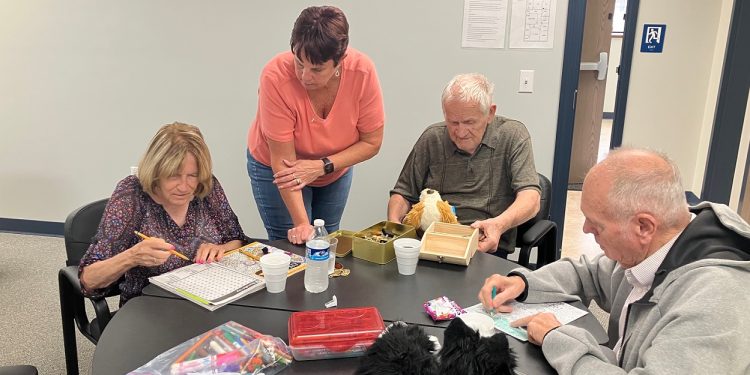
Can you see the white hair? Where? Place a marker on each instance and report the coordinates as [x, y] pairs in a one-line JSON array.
[[470, 88], [650, 183]]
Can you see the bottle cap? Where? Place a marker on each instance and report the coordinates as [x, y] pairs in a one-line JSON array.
[[319, 222]]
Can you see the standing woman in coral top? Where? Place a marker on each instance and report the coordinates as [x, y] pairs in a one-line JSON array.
[[320, 111]]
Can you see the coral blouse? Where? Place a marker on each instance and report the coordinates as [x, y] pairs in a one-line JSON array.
[[285, 113]]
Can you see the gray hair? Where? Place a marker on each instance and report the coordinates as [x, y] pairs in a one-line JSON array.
[[470, 88], [645, 181]]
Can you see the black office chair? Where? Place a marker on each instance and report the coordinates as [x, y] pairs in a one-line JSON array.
[[539, 232], [80, 228], [18, 370]]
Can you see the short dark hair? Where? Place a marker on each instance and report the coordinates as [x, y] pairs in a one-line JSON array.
[[321, 33]]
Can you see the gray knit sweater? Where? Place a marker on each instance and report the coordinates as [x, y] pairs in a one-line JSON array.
[[694, 320]]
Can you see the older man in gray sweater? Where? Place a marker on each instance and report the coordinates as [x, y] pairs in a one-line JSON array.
[[673, 278]]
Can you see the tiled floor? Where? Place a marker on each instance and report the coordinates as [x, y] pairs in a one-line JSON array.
[[576, 243]]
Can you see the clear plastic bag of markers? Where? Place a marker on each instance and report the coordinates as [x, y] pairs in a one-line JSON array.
[[230, 348]]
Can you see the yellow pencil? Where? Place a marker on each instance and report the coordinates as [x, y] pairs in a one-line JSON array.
[[174, 252]]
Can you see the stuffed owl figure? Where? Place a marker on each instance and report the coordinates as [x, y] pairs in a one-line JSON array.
[[431, 208]]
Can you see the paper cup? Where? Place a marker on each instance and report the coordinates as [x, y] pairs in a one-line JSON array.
[[332, 254], [275, 267], [407, 255]]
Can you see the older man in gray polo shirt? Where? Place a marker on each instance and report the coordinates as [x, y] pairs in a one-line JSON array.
[[482, 164]]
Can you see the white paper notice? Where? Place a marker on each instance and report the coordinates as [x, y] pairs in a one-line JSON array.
[[532, 23], [484, 23]]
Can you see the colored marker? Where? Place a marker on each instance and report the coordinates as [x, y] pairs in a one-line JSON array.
[[494, 293]]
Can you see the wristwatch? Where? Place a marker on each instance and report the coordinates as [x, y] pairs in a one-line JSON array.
[[327, 165]]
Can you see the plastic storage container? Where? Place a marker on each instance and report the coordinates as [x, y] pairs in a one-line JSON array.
[[336, 333]]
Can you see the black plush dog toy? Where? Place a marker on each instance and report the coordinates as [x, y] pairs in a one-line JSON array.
[[407, 349]]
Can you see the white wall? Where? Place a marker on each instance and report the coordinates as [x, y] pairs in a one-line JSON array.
[[672, 95], [610, 92], [85, 84]]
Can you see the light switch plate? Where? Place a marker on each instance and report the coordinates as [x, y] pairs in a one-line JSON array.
[[526, 82]]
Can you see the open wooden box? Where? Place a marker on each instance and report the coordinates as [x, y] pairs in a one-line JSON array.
[[449, 243]]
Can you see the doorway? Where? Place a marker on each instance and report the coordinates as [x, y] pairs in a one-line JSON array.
[[573, 95], [592, 81]]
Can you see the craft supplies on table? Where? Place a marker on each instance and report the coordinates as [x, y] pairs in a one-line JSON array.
[[255, 250], [228, 348]]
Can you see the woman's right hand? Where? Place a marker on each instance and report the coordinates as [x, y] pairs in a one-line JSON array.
[[300, 234], [151, 252]]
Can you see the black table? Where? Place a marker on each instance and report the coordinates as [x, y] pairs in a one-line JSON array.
[[148, 326], [396, 296]]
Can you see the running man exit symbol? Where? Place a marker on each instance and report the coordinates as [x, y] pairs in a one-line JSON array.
[[653, 38]]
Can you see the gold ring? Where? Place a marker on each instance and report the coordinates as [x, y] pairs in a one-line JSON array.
[[299, 182]]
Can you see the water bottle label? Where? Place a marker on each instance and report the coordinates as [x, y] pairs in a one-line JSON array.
[[318, 254]]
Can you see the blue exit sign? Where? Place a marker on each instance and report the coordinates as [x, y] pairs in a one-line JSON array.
[[653, 38]]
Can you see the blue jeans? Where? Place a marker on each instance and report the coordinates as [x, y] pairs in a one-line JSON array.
[[326, 202]]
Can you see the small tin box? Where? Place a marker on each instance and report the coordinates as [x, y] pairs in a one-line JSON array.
[[333, 333], [449, 243], [375, 244], [344, 246]]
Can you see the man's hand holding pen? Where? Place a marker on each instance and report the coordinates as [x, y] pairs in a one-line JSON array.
[[498, 290]]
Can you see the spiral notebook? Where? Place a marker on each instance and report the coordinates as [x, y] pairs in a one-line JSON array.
[[212, 285]]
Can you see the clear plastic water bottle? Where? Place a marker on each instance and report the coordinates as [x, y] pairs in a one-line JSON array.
[[316, 258]]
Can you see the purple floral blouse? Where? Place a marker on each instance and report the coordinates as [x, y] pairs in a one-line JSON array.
[[130, 209]]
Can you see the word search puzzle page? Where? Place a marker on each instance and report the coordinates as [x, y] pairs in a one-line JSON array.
[[564, 313], [210, 281]]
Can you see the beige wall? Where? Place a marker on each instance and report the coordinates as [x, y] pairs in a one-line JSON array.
[[86, 83], [672, 94]]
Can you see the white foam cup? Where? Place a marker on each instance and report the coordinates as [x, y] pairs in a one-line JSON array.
[[407, 255], [275, 267]]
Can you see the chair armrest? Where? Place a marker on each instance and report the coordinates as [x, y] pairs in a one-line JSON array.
[[537, 231], [70, 273], [101, 308]]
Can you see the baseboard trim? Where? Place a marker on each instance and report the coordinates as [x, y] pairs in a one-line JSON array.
[[48, 228], [608, 115]]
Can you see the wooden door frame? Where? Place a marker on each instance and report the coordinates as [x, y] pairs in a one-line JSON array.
[[568, 95]]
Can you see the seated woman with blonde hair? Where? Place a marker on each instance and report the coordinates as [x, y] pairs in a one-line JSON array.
[[174, 200]]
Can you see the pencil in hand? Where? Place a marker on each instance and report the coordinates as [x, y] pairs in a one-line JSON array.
[[174, 252]]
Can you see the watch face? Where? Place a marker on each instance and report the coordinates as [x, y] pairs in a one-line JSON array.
[[327, 166]]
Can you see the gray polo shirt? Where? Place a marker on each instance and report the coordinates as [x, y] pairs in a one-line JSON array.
[[481, 185]]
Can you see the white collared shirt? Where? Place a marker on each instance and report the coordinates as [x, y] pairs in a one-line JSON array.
[[641, 276]]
